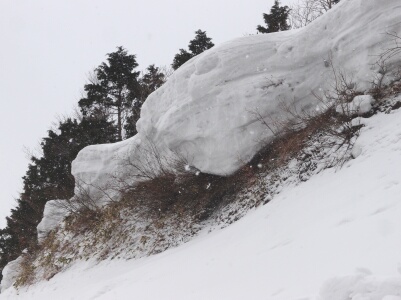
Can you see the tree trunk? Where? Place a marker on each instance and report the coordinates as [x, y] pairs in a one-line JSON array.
[[119, 115], [119, 123]]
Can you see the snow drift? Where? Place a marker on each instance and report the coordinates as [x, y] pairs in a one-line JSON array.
[[205, 111]]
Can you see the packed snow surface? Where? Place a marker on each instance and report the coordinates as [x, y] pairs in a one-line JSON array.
[[209, 109], [334, 237]]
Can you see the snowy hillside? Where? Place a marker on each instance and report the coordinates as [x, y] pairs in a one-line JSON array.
[[300, 228], [334, 237], [206, 110]]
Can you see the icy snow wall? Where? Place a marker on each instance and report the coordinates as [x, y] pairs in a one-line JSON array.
[[10, 273], [206, 110], [54, 213]]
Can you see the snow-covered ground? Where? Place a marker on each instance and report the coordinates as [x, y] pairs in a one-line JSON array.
[[335, 237]]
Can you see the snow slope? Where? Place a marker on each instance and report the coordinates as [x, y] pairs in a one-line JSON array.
[[334, 237], [206, 110]]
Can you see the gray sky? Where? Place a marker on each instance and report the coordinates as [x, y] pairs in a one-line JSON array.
[[48, 47]]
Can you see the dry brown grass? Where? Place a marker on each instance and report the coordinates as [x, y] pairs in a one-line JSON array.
[[185, 195], [27, 271]]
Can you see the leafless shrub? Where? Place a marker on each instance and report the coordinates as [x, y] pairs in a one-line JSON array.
[[86, 206], [382, 85], [343, 88], [82, 201], [393, 50], [167, 71], [293, 128], [293, 134], [378, 81], [306, 11], [150, 162], [327, 4]]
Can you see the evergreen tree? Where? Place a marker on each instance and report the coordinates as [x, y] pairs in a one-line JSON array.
[[199, 44], [49, 177], [181, 58], [113, 89], [277, 20], [327, 4], [8, 248], [150, 81]]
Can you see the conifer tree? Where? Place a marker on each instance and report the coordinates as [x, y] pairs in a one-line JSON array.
[[277, 20], [113, 89], [151, 80], [199, 44], [49, 177], [181, 58]]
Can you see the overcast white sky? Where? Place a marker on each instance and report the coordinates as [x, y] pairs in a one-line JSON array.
[[48, 47]]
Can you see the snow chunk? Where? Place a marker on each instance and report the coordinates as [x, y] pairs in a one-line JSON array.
[[53, 215], [356, 150], [10, 273], [361, 287], [358, 106], [207, 109]]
